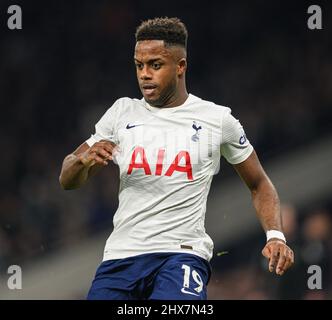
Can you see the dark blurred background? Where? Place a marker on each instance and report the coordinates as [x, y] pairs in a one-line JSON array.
[[73, 59]]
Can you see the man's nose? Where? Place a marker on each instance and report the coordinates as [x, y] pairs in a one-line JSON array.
[[145, 73]]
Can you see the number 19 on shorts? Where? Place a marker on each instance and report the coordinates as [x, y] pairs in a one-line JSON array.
[[186, 280]]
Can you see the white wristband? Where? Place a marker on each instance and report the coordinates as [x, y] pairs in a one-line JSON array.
[[275, 234]]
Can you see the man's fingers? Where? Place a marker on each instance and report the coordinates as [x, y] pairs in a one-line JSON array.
[[292, 256], [107, 145], [101, 152], [266, 252], [287, 264], [289, 260], [104, 154], [280, 256], [283, 256], [274, 258], [99, 160]]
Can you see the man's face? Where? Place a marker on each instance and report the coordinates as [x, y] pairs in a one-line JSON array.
[[158, 70]]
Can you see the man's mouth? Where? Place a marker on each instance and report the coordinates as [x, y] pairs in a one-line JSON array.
[[148, 89]]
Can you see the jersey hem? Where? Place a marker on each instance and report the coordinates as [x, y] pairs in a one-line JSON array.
[[113, 256]]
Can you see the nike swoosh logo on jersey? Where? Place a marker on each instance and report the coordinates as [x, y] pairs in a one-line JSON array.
[[183, 290], [133, 125]]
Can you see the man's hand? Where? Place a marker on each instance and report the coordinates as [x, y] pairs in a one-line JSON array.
[[100, 153], [280, 256]]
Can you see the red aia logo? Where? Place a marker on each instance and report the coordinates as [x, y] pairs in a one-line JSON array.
[[144, 164]]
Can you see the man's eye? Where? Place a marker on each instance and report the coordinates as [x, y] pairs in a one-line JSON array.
[[156, 66], [139, 65]]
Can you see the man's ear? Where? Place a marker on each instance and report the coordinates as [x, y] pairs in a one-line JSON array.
[[182, 66]]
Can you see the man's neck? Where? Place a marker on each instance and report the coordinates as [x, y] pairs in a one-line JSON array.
[[177, 100]]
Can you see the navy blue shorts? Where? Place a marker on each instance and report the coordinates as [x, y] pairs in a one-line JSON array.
[[153, 276]]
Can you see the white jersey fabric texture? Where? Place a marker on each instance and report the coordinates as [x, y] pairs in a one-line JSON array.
[[167, 160]]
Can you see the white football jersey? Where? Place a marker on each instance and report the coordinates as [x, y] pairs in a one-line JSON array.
[[167, 160]]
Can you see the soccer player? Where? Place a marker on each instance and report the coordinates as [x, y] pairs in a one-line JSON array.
[[167, 146]]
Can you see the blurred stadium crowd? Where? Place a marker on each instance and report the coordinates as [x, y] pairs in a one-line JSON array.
[[242, 273], [72, 60]]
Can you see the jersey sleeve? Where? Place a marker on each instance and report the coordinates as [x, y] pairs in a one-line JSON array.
[[235, 147], [105, 127]]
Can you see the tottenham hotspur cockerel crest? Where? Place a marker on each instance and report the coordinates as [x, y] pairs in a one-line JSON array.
[[196, 127]]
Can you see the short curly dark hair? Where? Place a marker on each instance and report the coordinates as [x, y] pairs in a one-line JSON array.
[[171, 30]]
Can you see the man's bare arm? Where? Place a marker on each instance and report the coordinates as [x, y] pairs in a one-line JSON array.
[[267, 205], [264, 195], [80, 165]]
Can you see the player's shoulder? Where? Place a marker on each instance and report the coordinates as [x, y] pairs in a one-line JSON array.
[[125, 102], [124, 105], [209, 106]]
